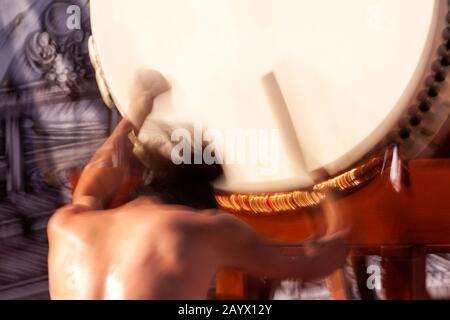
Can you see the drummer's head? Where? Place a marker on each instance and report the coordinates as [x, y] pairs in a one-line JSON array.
[[180, 184]]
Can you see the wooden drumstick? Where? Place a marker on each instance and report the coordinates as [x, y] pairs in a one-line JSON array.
[[284, 119]]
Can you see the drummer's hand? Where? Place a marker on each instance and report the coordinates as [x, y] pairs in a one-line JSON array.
[[244, 249], [146, 86]]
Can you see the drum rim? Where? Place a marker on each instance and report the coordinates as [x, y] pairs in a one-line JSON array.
[[275, 203]]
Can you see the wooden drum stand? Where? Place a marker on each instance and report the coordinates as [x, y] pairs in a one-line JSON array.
[[402, 227]]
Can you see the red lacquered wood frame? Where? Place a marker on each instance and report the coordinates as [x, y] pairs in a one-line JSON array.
[[401, 227]]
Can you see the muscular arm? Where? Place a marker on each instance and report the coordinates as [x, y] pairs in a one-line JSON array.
[[111, 166], [114, 163], [157, 251]]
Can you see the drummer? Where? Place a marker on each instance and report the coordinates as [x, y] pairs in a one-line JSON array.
[[168, 240]]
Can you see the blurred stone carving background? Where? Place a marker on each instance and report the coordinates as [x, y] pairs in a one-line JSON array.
[[51, 121]]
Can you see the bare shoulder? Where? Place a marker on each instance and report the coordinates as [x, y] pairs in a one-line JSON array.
[[178, 222], [64, 217]]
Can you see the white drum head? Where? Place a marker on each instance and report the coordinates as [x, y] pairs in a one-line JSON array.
[[342, 71]]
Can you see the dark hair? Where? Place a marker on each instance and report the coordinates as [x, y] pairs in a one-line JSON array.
[[186, 184]]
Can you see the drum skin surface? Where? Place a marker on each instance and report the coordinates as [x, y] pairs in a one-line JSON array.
[[346, 72]]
